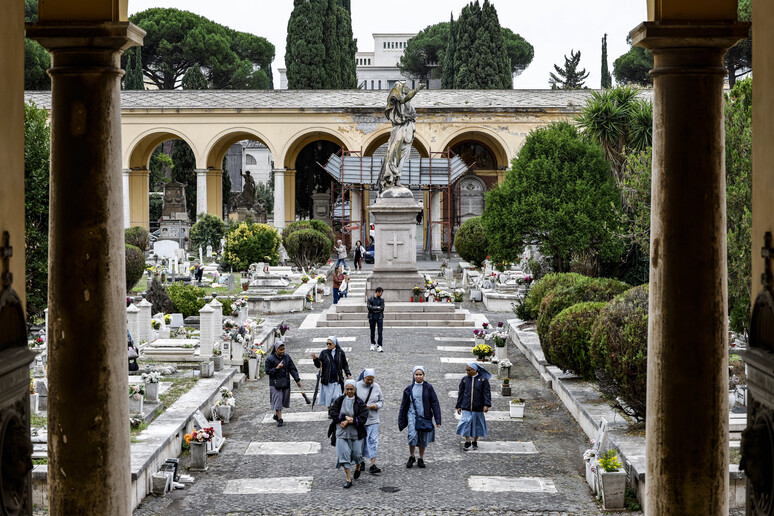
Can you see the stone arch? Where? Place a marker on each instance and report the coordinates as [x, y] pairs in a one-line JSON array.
[[140, 149], [218, 146], [380, 138], [303, 138], [488, 138]]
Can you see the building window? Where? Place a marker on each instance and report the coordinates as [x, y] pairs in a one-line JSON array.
[[250, 160], [369, 62], [372, 84], [385, 44], [380, 85], [413, 84]]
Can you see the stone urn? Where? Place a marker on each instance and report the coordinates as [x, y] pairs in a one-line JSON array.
[[218, 360], [135, 405], [198, 456], [224, 411], [152, 391]]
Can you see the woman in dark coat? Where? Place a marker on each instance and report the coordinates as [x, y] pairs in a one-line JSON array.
[[279, 368], [418, 408], [349, 413], [333, 365], [474, 397]]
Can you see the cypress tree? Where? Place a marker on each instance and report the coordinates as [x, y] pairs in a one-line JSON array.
[[348, 48], [447, 79], [134, 78], [464, 59], [607, 80], [332, 45], [194, 79], [305, 51], [493, 70]]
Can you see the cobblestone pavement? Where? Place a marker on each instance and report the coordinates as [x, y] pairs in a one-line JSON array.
[[441, 488]]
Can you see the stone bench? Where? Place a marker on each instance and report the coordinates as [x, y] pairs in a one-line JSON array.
[[499, 302]]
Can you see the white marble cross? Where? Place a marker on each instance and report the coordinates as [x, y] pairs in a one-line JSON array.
[[395, 245]]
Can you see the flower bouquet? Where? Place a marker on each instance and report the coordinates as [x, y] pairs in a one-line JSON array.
[[136, 392], [167, 319], [238, 304], [283, 328], [156, 325], [482, 351], [500, 338], [152, 377], [321, 279], [458, 295], [200, 436], [304, 278]]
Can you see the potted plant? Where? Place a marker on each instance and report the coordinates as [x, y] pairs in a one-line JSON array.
[[416, 290], [152, 385], [482, 352], [217, 358], [304, 278], [612, 481], [252, 364], [505, 368], [500, 338], [34, 398], [505, 390], [224, 406], [283, 328], [458, 296], [156, 325], [136, 393], [517, 407], [198, 440], [480, 336]]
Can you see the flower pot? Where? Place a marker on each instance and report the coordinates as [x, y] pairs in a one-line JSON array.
[[458, 305], [152, 391], [501, 352], [224, 411], [245, 286], [252, 368], [198, 456], [517, 410], [135, 406], [613, 486], [34, 403], [505, 390], [218, 359]]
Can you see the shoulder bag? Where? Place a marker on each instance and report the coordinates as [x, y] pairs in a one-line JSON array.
[[422, 423]]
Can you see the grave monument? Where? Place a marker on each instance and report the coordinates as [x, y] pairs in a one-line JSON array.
[[394, 214], [244, 204], [174, 223]]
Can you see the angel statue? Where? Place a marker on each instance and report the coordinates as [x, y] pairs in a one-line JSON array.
[[402, 114]]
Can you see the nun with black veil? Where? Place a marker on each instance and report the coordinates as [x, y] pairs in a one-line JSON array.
[[349, 413], [474, 398], [279, 369], [417, 410]]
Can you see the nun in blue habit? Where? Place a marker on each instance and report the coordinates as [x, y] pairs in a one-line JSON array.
[[474, 398], [333, 367], [349, 413], [417, 410]]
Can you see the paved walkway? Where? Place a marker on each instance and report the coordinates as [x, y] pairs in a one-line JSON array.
[[532, 466]]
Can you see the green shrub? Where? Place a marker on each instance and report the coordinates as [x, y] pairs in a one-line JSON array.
[[135, 266], [308, 247], [585, 289], [530, 307], [227, 308], [208, 230], [317, 225], [137, 236], [569, 336], [158, 297], [248, 243], [619, 348], [186, 299], [470, 241]]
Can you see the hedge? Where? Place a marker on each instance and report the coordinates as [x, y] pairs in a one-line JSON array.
[[569, 337], [137, 236], [248, 243], [529, 308], [470, 241], [308, 247], [135, 266], [317, 225], [186, 299], [619, 348]]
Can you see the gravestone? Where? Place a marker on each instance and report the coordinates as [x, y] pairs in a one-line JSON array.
[[471, 197], [165, 248], [133, 321], [209, 330], [177, 321], [209, 251], [144, 328], [230, 282]]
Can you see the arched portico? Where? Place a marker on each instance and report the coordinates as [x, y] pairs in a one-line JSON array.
[[381, 137], [492, 141]]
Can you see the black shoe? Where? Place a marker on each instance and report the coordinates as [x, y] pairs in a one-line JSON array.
[[280, 422], [420, 463], [466, 446], [374, 469], [357, 472], [411, 461], [475, 445], [274, 417], [347, 484]]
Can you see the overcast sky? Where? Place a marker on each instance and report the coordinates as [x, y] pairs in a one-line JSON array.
[[553, 27]]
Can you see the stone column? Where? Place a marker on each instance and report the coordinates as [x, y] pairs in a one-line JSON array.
[[215, 192], [279, 198], [127, 203], [434, 217], [88, 442], [139, 204], [133, 322], [207, 331], [201, 191], [687, 397], [355, 205], [290, 195], [144, 321]]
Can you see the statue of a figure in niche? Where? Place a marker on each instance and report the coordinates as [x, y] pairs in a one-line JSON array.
[[246, 198], [402, 114]]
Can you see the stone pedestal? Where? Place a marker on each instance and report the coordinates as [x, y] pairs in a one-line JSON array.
[[394, 216]]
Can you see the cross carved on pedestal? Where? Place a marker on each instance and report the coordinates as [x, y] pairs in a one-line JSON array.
[[395, 245]]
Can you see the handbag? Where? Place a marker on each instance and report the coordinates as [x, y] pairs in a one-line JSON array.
[[422, 423], [133, 353]]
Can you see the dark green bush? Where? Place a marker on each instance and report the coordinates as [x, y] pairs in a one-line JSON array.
[[569, 336], [470, 241], [135, 266], [157, 296], [137, 236], [248, 243], [186, 299], [308, 247], [317, 225], [530, 307], [227, 308], [584, 290], [619, 348], [208, 230]]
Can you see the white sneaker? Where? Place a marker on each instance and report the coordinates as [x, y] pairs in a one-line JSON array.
[[379, 349], [373, 347]]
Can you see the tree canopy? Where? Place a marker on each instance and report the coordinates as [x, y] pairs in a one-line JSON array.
[[560, 195], [177, 40], [634, 67], [320, 50], [568, 77], [36, 58], [424, 54], [738, 59]]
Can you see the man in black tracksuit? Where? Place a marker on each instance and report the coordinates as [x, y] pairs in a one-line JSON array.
[[376, 317]]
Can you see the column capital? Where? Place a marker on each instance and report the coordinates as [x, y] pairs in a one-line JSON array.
[[656, 36], [109, 36]]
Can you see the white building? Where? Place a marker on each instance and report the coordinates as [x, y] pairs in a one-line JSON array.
[[256, 159], [378, 70]]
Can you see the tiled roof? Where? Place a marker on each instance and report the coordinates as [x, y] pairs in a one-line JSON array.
[[341, 100]]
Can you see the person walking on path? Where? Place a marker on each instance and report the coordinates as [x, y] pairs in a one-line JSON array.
[[359, 254], [474, 398], [341, 251], [279, 368], [376, 317], [333, 365], [338, 278], [371, 394], [417, 410], [350, 414]]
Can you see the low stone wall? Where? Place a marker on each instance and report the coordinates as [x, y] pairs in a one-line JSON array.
[[588, 407], [282, 304], [498, 301]]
